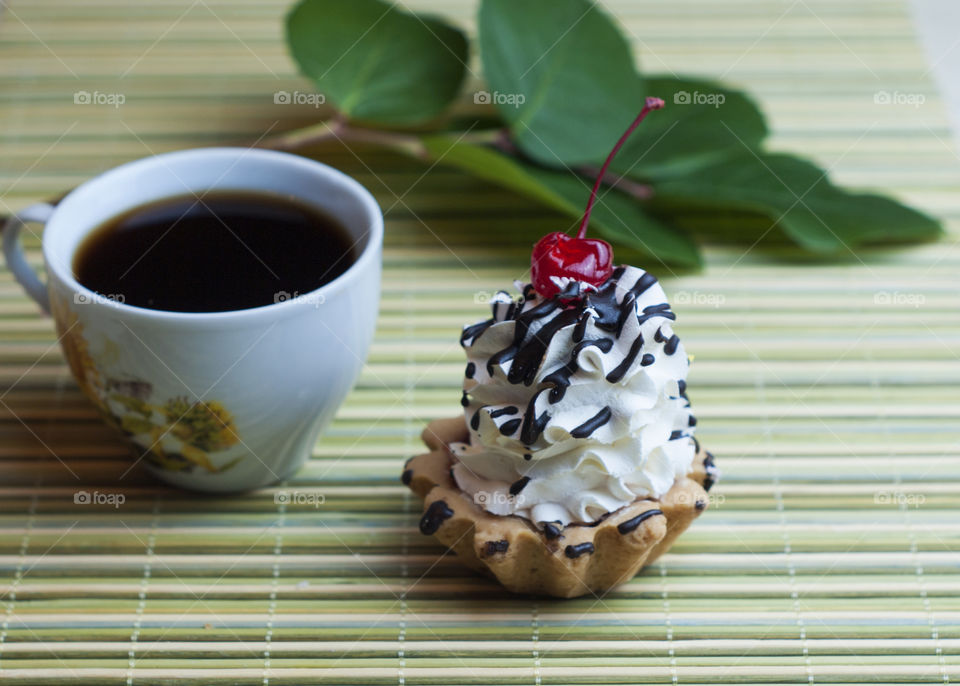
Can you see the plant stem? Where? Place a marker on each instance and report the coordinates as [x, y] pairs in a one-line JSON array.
[[640, 191], [650, 105], [635, 189], [339, 129]]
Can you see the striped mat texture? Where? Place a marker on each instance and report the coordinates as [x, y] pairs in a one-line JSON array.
[[828, 392]]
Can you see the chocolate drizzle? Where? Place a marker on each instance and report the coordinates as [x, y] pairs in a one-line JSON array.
[[521, 328], [560, 378], [617, 314], [519, 485], [631, 524], [510, 428], [494, 547], [610, 314], [592, 424], [471, 333], [621, 369], [526, 351], [533, 425], [581, 328], [509, 409], [628, 306], [575, 551], [671, 347], [661, 310], [710, 467], [551, 530], [529, 355]]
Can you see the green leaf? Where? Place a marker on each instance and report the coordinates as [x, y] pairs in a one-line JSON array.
[[572, 68], [616, 215], [702, 122], [799, 198], [375, 62]]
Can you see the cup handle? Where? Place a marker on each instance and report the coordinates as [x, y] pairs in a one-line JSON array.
[[17, 261]]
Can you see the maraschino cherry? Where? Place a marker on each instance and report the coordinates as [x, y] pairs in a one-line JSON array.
[[580, 258]]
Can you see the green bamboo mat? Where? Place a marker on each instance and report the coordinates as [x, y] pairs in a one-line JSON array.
[[828, 393]]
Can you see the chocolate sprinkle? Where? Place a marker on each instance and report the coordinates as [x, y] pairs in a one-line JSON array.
[[631, 524], [464, 400], [700, 504], [406, 477], [436, 514], [518, 485], [575, 551], [647, 360], [471, 370]]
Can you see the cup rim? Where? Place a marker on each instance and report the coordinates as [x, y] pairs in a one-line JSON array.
[[370, 252]]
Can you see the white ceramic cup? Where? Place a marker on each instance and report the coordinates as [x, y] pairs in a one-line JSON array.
[[222, 401]]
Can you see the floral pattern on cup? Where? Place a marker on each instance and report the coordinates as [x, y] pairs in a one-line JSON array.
[[177, 434]]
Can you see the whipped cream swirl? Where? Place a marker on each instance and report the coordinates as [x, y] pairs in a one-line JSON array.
[[577, 403]]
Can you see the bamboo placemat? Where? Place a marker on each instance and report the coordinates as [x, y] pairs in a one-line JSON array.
[[828, 393]]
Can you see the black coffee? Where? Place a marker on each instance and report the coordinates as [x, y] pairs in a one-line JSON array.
[[231, 251]]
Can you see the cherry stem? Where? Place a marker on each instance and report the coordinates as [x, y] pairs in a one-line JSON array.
[[650, 105]]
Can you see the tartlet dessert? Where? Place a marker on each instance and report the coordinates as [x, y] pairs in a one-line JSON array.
[[574, 463]]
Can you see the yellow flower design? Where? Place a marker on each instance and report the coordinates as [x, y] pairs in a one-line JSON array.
[[196, 428]]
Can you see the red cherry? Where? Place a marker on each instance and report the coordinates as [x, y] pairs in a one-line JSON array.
[[557, 254], [580, 258]]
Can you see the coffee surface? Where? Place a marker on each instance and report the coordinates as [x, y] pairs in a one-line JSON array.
[[231, 250]]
